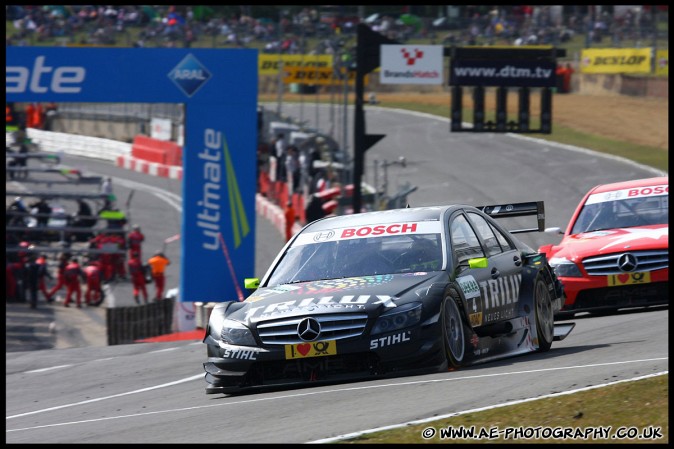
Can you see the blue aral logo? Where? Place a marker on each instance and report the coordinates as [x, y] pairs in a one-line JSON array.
[[189, 75]]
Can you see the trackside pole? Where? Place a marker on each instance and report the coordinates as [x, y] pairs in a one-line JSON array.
[[231, 267]]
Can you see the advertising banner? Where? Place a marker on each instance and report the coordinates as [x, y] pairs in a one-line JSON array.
[[615, 60], [506, 73], [270, 63], [219, 90], [662, 63], [411, 64]]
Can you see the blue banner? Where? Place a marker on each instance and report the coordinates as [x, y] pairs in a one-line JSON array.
[[219, 90]]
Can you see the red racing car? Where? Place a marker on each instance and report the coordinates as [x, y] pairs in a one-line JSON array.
[[615, 251]]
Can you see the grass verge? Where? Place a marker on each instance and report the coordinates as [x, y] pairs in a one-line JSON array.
[[637, 409]]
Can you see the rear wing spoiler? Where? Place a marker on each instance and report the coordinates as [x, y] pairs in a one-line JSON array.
[[518, 210]]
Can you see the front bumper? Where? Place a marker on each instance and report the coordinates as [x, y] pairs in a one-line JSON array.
[[234, 368]]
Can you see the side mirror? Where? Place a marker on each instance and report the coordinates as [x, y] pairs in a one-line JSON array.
[[553, 230], [478, 262], [251, 283]]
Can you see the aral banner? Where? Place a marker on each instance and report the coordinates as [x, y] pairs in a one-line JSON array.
[[615, 60]]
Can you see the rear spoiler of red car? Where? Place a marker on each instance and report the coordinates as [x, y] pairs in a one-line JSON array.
[[518, 210]]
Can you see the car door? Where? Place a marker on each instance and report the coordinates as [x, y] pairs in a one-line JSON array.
[[491, 293], [501, 288]]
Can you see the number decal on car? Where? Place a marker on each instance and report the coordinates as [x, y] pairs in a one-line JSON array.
[[616, 280], [315, 349]]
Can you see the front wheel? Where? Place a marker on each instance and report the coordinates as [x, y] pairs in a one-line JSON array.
[[452, 331], [545, 320]]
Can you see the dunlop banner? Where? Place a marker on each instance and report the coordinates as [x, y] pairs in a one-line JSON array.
[[662, 63], [615, 60], [318, 76], [268, 64]]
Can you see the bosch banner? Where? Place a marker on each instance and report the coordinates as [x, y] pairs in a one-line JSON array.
[[219, 90], [512, 73]]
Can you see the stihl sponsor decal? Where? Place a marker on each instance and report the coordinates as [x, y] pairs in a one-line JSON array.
[[372, 230], [638, 192], [390, 340], [240, 354], [345, 302]]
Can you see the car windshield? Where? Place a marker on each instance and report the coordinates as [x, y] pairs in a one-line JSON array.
[[359, 257], [602, 214]]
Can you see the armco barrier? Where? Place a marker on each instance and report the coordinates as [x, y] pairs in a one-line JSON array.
[[128, 324], [94, 147]]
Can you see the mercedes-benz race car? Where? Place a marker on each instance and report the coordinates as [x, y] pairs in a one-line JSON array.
[[384, 293], [615, 250]]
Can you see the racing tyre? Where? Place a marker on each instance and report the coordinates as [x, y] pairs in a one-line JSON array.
[[452, 331], [545, 321]]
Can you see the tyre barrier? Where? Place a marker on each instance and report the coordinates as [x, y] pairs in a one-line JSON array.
[[129, 324]]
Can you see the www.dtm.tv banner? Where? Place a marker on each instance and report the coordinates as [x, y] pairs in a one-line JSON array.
[[219, 90]]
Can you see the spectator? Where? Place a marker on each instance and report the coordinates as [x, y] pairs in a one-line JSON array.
[[135, 241], [34, 273], [94, 276], [10, 280], [118, 245], [137, 274], [84, 218], [43, 273], [72, 275], [60, 276], [43, 212], [290, 219], [158, 264], [292, 169], [16, 212], [107, 189]]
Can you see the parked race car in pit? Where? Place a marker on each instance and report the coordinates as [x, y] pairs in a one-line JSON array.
[[615, 250], [385, 293]]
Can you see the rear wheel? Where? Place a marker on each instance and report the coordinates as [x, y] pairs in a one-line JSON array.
[[545, 321], [452, 331]]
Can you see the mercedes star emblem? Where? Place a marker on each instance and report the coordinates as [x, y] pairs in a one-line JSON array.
[[308, 329], [627, 262]]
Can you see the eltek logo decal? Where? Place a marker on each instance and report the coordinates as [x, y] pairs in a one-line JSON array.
[[60, 80], [189, 75], [411, 59]]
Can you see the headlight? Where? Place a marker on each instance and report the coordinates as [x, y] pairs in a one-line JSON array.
[[565, 268], [400, 318], [235, 333]]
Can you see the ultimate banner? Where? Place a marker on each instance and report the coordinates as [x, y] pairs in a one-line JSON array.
[[219, 90]]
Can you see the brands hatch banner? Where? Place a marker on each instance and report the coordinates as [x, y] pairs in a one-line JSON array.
[[615, 60], [219, 90], [411, 64]]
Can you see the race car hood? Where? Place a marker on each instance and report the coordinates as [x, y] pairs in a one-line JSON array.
[[372, 294], [610, 241]]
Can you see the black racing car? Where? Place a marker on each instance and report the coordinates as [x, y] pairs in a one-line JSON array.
[[389, 292]]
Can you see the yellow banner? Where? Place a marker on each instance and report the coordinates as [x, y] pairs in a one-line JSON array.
[[269, 63], [662, 63], [314, 75], [615, 60]]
